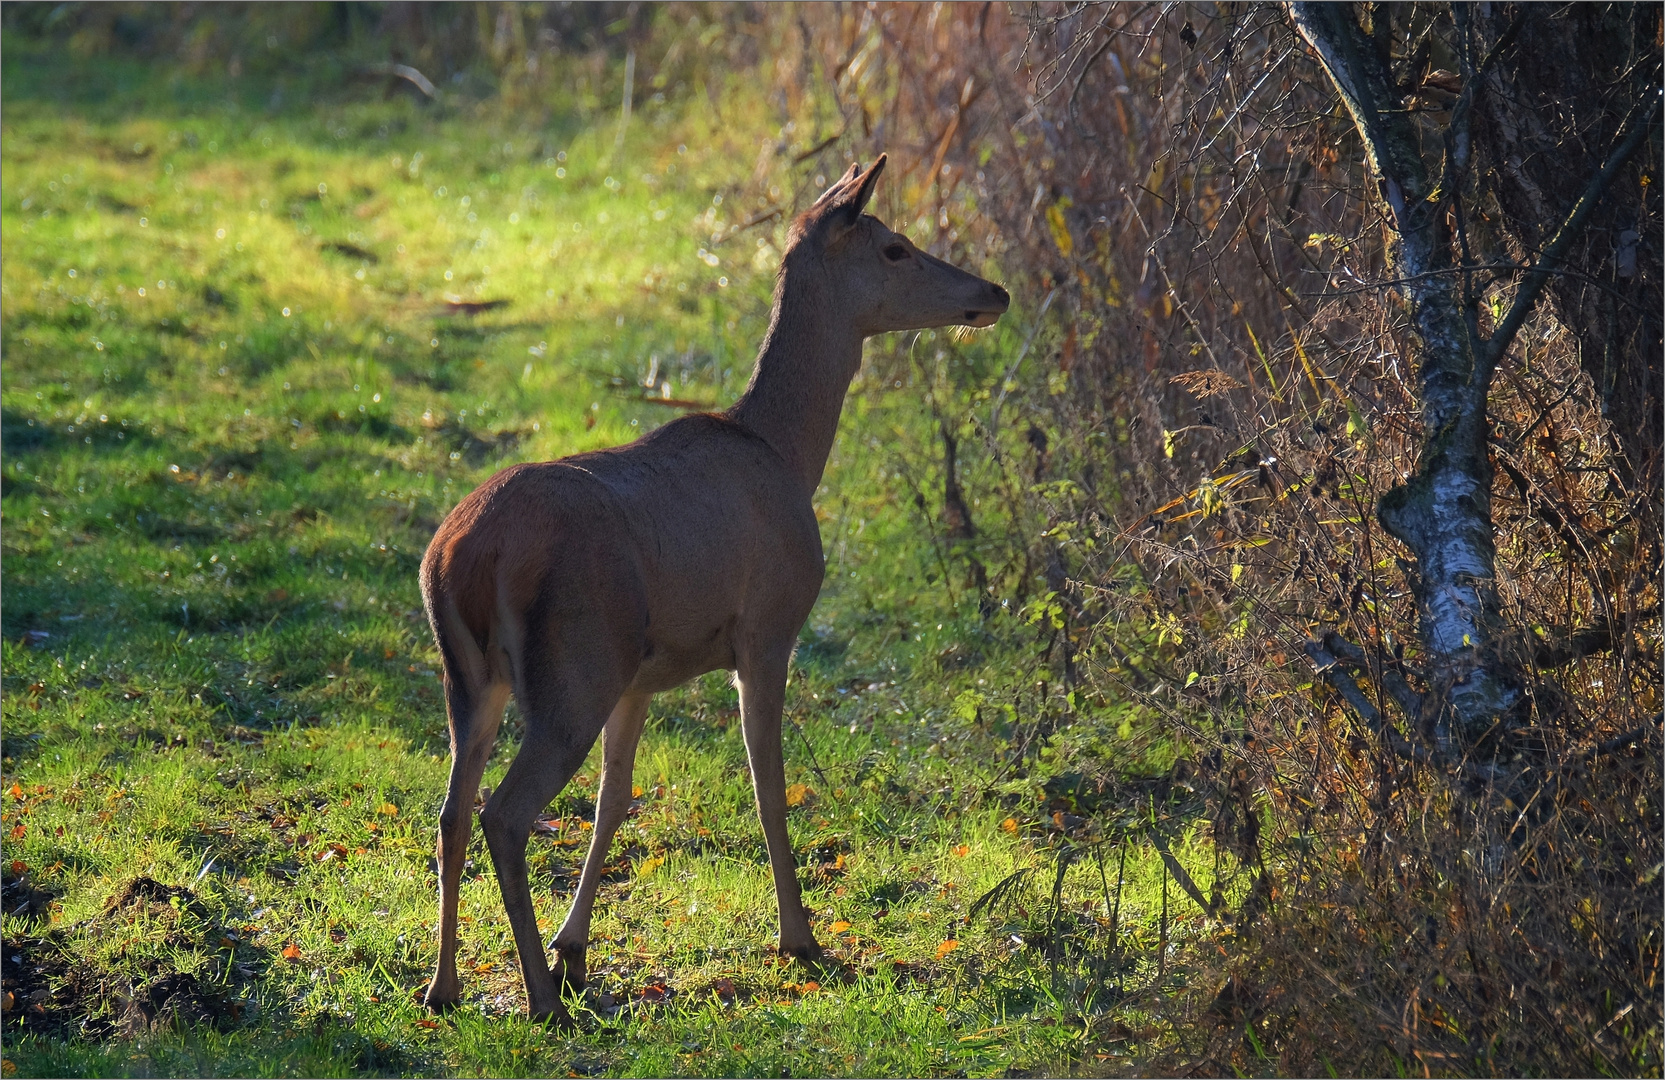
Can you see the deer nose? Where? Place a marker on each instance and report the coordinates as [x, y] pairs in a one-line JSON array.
[[1001, 295]]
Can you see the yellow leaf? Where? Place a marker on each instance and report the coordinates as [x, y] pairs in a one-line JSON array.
[[636, 791], [480, 969], [291, 951], [947, 947], [962, 851], [648, 866], [1009, 825], [839, 927], [797, 794], [1060, 228], [388, 809]]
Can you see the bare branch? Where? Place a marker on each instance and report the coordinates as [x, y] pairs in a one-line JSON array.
[[1333, 672], [1556, 250], [1408, 700], [1586, 641]]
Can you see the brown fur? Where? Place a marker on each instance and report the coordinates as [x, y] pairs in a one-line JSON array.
[[584, 586]]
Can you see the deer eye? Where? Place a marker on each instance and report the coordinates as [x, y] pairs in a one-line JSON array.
[[896, 252]]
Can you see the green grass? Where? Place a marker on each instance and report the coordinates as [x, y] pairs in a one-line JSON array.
[[236, 407]]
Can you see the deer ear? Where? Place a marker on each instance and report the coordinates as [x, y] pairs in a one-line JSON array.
[[864, 189], [831, 195], [845, 202], [840, 206]]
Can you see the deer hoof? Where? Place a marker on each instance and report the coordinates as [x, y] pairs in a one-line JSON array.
[[437, 1002], [809, 955], [555, 1019], [568, 969]]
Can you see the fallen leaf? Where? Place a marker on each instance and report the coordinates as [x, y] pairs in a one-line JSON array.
[[15, 792], [430, 1024], [810, 987], [797, 794], [292, 952], [387, 809], [17, 832], [947, 947], [840, 926], [635, 791], [19, 868], [481, 969], [647, 866], [1010, 825], [962, 851]]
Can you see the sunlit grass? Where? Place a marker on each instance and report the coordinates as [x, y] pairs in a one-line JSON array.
[[237, 400]]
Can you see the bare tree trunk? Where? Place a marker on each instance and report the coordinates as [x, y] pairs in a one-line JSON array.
[[1443, 512]]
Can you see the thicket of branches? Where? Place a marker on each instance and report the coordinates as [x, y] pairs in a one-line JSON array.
[[1230, 380]]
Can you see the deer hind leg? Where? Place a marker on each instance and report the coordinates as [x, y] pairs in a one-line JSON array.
[[762, 699], [474, 718], [623, 732], [564, 714]]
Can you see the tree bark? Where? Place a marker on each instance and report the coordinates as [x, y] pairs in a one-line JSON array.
[[1443, 513]]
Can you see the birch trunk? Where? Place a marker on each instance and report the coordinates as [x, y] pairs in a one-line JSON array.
[[1443, 512]]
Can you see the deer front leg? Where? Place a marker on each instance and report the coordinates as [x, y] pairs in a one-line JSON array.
[[619, 740], [762, 698]]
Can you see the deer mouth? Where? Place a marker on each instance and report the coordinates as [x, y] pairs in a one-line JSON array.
[[981, 318]]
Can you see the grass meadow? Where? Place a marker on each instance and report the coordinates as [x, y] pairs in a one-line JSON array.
[[256, 345]]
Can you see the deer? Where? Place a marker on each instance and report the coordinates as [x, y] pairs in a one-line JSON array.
[[584, 586]]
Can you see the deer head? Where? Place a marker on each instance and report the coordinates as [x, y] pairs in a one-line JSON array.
[[876, 277]]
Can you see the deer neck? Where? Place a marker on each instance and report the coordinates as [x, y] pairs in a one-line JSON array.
[[802, 373]]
